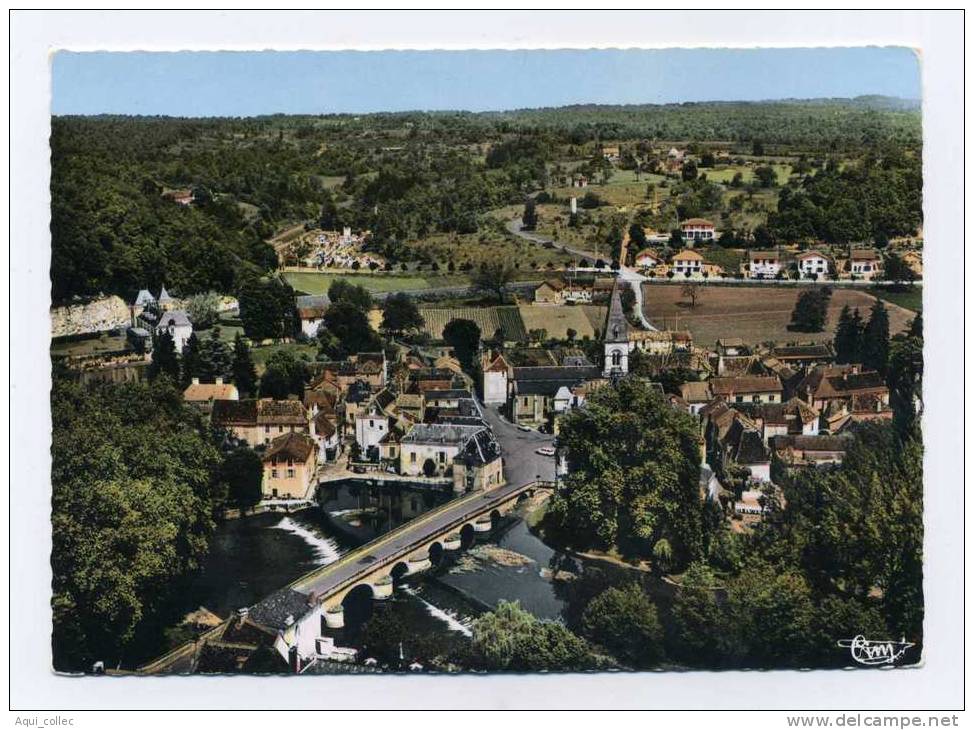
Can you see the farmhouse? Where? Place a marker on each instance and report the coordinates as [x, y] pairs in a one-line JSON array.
[[549, 292], [647, 259], [865, 263], [256, 422], [812, 265], [697, 230], [688, 264], [202, 395], [311, 311], [289, 466], [748, 388], [762, 265]]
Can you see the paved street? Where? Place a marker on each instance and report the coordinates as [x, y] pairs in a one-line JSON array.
[[521, 463]]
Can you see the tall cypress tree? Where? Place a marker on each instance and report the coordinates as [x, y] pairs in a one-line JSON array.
[[847, 337], [191, 359], [244, 373], [165, 361], [875, 338]]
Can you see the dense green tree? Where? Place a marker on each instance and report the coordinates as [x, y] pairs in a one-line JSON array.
[[341, 290], [848, 336], [214, 359], [766, 176], [509, 638], [624, 621], [897, 270], [637, 238], [689, 170], [190, 359], [203, 310], [463, 335], [904, 376], [267, 309], [165, 361], [244, 372], [633, 475], [400, 314], [493, 278], [529, 218], [345, 330], [284, 375], [242, 471], [875, 338], [134, 486], [811, 309], [698, 623]]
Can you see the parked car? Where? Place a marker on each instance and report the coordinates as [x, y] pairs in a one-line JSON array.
[[545, 451], [523, 428]]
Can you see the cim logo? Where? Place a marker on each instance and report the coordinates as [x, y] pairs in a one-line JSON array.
[[875, 653]]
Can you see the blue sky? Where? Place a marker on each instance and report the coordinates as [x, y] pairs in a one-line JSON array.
[[315, 82]]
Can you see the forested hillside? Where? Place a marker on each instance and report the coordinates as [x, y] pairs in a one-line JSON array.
[[116, 229]]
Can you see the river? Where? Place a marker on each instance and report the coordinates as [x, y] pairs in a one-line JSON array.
[[253, 556]]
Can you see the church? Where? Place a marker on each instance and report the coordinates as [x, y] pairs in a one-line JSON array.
[[616, 338]]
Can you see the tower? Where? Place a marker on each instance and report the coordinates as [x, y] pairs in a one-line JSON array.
[[615, 342]]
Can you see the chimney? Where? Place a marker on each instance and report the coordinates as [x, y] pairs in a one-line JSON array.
[[293, 660], [219, 380], [196, 381]]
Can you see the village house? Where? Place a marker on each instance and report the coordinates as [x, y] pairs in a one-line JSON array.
[[845, 394], [311, 312], [696, 394], [494, 378], [793, 417], [647, 259], [687, 264], [804, 451], [430, 379], [202, 395], [258, 422], [697, 230], [802, 356], [734, 357], [733, 439], [660, 342], [550, 292], [367, 367], [290, 466], [183, 196], [324, 430], [865, 263], [371, 426], [445, 450], [762, 265], [748, 388], [812, 265]]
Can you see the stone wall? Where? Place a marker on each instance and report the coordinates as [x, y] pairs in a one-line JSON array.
[[99, 315]]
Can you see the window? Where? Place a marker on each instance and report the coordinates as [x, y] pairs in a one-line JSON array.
[[771, 398], [441, 456], [740, 399], [755, 399], [273, 473], [616, 358], [412, 457], [280, 429], [267, 429], [290, 473]]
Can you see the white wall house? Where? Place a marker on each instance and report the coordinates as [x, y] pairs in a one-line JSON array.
[[687, 265], [370, 428], [866, 265], [647, 259], [763, 264], [495, 381], [176, 323], [697, 230], [812, 265]]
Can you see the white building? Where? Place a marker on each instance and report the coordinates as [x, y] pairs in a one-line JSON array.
[[763, 264], [616, 341], [176, 323], [647, 259], [865, 264], [495, 380], [370, 428], [812, 265], [687, 264], [311, 312], [697, 230]]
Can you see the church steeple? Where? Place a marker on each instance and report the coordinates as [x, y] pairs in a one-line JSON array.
[[616, 337]]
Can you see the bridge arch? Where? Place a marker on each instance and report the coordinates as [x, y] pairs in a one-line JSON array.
[[436, 553], [357, 603], [399, 571], [467, 536]]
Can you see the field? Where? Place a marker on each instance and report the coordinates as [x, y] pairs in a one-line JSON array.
[[488, 319], [556, 321], [487, 246], [910, 298], [755, 314], [313, 282], [725, 173]]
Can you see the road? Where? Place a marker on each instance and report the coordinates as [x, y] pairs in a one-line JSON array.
[[625, 273], [522, 463]]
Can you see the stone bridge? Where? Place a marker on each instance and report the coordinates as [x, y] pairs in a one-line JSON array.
[[303, 610]]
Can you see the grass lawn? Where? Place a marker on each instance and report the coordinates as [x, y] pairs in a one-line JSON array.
[[725, 173], [483, 247], [311, 282], [261, 354], [911, 298]]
